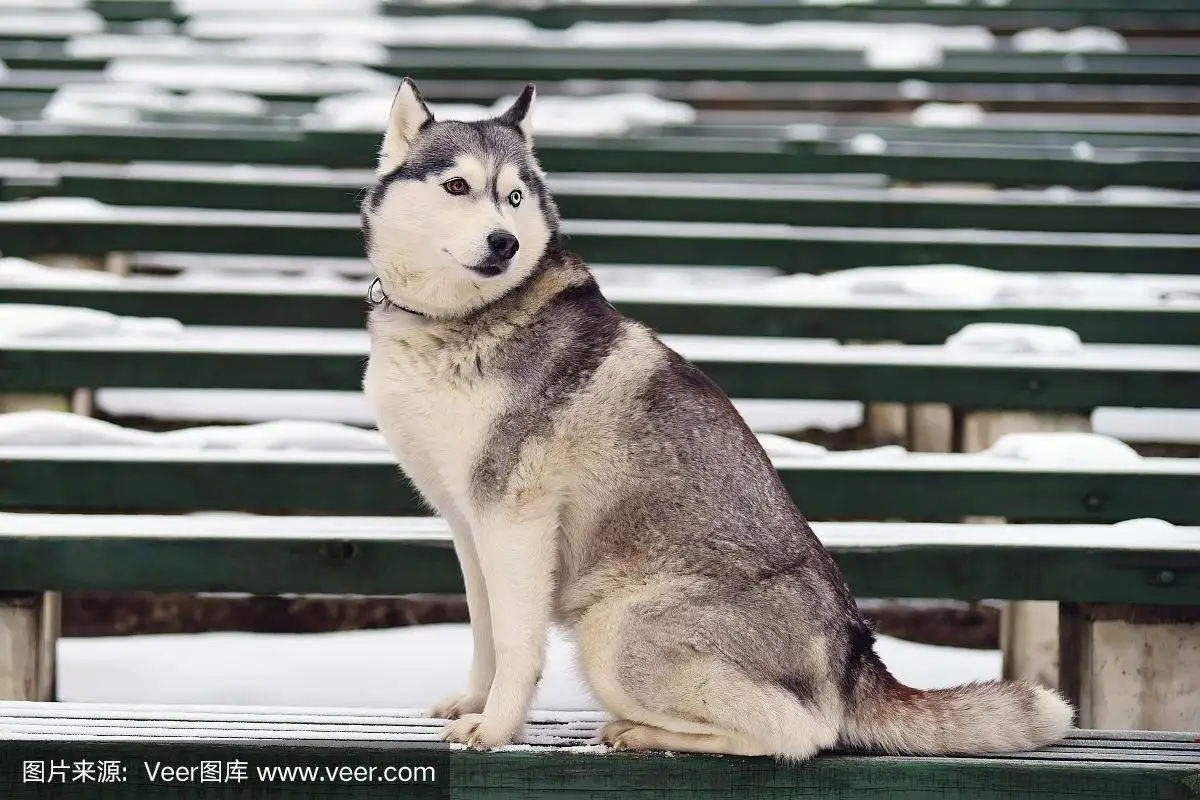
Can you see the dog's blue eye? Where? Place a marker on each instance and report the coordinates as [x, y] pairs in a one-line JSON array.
[[514, 197], [456, 186]]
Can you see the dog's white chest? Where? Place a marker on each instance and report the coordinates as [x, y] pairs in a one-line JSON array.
[[436, 426]]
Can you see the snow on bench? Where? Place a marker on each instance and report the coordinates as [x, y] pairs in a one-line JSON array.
[[1131, 535], [561, 749]]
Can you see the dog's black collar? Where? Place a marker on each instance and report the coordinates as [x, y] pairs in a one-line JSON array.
[[376, 288]]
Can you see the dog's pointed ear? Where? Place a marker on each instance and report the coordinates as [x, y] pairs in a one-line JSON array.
[[408, 115], [520, 114]]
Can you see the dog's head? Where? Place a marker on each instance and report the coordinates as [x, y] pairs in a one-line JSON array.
[[459, 213]]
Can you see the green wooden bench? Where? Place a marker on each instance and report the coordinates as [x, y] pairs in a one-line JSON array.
[[29, 229], [562, 63], [1087, 567], [282, 303], [298, 359], [1006, 165], [836, 485], [643, 197], [398, 753], [1131, 18]]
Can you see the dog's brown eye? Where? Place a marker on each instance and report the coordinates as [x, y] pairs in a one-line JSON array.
[[456, 186]]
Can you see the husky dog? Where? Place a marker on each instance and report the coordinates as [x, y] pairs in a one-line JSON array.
[[594, 478]]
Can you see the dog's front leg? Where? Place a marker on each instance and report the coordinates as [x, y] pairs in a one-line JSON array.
[[483, 655], [517, 557]]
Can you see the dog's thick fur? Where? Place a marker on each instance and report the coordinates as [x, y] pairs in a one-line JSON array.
[[593, 477]]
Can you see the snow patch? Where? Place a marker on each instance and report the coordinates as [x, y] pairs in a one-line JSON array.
[[776, 445], [278, 435], [31, 321], [120, 45], [1078, 40], [562, 116], [1003, 337], [20, 272], [248, 76], [867, 144], [1084, 151], [26, 22], [409, 667], [449, 31], [957, 282], [913, 89], [948, 115], [58, 429], [1065, 449]]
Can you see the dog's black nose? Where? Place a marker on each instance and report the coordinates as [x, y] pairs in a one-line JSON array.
[[503, 244]]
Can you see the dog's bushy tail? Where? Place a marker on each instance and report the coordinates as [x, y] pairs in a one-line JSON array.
[[885, 716]]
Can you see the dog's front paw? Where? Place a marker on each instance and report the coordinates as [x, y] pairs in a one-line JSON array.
[[455, 705], [478, 731]]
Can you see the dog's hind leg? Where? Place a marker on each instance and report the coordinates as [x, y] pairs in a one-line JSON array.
[[672, 699]]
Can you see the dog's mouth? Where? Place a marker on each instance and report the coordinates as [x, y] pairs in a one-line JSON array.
[[489, 267]]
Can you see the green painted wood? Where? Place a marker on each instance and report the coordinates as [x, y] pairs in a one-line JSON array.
[[792, 248], [367, 486], [1165, 16], [1056, 384], [669, 64], [546, 64], [554, 775], [913, 324], [641, 197], [1002, 166], [352, 565]]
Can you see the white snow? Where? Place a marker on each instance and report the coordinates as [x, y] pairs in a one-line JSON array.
[[30, 321], [914, 89], [1140, 534], [948, 115], [867, 144], [1065, 448], [776, 445], [462, 31], [55, 429], [963, 284], [247, 76], [52, 22], [554, 115], [57, 209], [1078, 40], [998, 337], [409, 668], [221, 101], [59, 429], [21, 272], [114, 45], [902, 45]]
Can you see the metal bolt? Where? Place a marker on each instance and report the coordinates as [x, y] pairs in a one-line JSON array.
[[1033, 384], [1093, 502], [1166, 576]]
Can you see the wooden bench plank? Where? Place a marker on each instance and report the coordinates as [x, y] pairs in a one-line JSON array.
[[397, 556], [677, 311], [299, 359], [838, 485], [635, 197], [557, 764], [1007, 166], [34, 227]]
